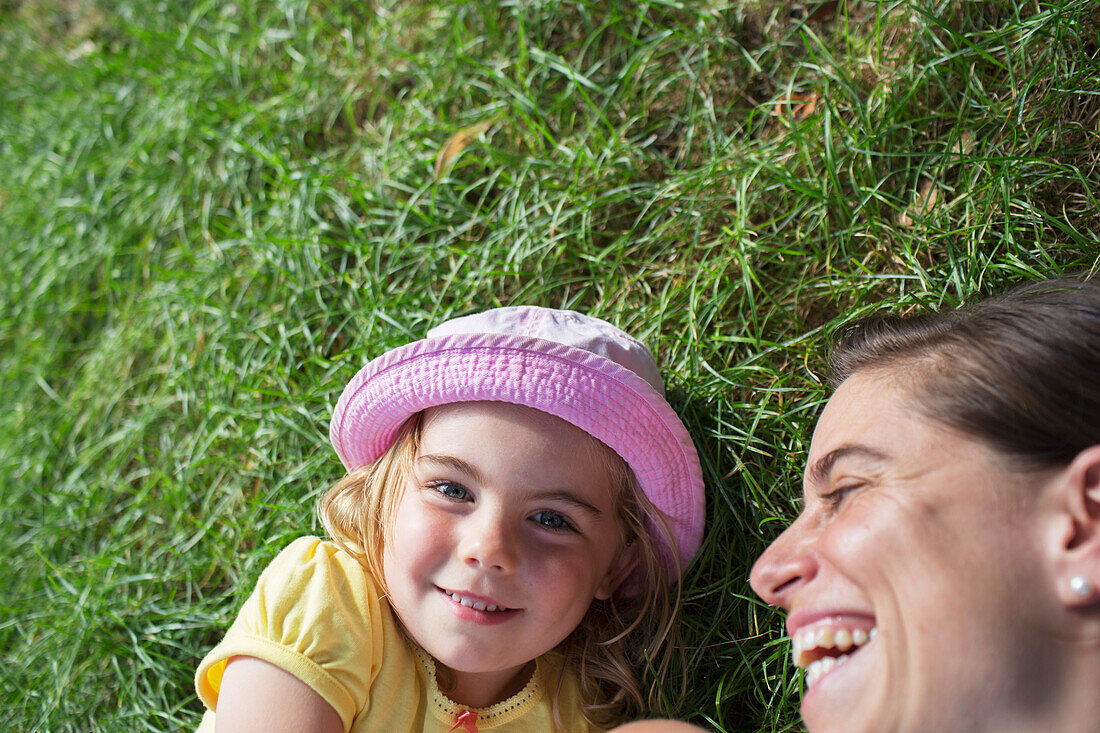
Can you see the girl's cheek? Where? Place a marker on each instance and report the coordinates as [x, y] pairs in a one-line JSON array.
[[418, 523]]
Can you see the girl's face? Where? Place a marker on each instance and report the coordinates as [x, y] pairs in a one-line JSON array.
[[505, 532], [914, 576]]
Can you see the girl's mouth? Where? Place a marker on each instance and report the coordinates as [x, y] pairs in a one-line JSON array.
[[477, 603], [822, 647]]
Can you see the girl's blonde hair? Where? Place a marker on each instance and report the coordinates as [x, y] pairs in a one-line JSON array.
[[632, 632]]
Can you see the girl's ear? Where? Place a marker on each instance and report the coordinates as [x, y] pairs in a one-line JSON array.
[[619, 571], [1077, 543]]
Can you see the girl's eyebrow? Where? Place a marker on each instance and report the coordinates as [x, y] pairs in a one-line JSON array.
[[568, 498], [454, 463]]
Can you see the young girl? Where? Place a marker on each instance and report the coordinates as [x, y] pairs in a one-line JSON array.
[[520, 501]]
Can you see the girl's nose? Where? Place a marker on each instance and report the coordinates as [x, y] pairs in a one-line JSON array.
[[786, 566], [489, 545]]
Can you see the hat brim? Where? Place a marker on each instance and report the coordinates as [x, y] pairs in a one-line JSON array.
[[606, 400]]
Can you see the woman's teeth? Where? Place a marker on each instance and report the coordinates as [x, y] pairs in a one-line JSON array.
[[476, 605], [812, 649], [821, 667]]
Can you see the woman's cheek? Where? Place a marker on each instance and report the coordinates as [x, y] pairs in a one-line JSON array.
[[858, 536]]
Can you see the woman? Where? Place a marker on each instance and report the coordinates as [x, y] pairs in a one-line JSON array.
[[944, 572]]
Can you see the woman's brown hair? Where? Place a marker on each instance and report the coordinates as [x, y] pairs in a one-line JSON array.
[[1020, 371]]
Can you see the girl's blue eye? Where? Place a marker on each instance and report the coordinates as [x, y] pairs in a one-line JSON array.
[[552, 520], [451, 490]]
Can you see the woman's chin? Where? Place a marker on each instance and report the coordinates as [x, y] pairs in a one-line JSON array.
[[839, 693]]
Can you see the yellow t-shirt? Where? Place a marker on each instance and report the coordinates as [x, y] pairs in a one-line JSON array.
[[316, 613]]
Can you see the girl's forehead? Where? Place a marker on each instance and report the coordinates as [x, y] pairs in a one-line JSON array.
[[466, 422], [496, 410], [499, 434]]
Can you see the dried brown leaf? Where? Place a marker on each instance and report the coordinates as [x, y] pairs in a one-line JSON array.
[[961, 147], [825, 11], [456, 143], [926, 196], [799, 106]]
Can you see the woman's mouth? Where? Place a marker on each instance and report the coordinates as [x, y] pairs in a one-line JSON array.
[[822, 647]]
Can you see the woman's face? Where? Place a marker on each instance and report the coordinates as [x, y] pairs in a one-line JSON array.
[[914, 571]]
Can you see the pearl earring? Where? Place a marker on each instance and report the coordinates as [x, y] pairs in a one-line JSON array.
[[1081, 586]]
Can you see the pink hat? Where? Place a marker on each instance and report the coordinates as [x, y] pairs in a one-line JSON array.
[[579, 368]]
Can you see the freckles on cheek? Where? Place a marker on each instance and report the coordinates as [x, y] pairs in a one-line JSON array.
[[582, 574], [417, 524]]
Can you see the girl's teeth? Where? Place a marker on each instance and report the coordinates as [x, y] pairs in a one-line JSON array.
[[476, 605], [859, 637], [843, 639]]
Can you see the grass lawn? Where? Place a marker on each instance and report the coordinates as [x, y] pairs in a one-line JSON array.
[[212, 213]]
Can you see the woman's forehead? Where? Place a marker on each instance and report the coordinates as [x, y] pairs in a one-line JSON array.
[[871, 418], [863, 403]]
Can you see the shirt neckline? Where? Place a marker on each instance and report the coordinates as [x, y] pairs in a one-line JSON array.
[[506, 710]]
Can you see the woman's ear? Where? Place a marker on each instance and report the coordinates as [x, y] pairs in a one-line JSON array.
[[619, 571], [1078, 550]]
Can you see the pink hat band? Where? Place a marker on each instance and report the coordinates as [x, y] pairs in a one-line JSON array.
[[489, 356]]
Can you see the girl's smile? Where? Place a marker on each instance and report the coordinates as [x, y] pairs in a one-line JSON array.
[[505, 533], [477, 609]]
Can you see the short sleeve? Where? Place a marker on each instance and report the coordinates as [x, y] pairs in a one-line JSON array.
[[314, 613]]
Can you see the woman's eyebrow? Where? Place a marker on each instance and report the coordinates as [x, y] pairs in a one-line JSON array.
[[820, 469]]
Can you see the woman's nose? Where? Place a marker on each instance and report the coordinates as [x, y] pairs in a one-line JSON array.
[[489, 544], [785, 567]]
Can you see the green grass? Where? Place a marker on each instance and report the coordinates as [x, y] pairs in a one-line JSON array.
[[213, 212]]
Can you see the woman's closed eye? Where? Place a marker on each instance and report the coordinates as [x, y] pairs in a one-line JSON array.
[[834, 498]]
